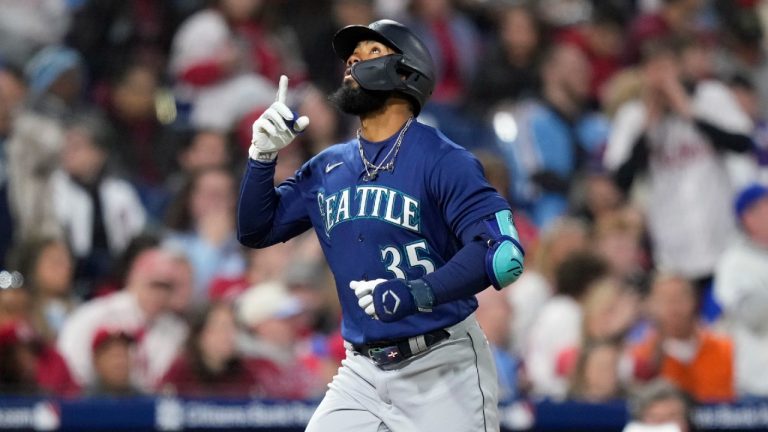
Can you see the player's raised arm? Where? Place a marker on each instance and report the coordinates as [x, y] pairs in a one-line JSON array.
[[276, 127], [265, 214]]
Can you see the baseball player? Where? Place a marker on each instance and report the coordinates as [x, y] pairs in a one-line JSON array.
[[411, 231]]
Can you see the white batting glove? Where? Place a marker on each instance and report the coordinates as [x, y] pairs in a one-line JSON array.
[[275, 128], [364, 292]]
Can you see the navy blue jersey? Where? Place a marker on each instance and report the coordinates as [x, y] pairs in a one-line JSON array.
[[404, 224]]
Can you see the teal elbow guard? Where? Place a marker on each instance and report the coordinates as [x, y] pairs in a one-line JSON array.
[[505, 257]]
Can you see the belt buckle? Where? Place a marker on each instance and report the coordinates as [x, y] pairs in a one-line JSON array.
[[385, 355]]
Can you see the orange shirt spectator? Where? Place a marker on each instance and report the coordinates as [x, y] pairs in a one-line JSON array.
[[679, 349], [707, 376]]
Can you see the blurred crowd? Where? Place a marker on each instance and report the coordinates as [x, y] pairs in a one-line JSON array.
[[630, 138]]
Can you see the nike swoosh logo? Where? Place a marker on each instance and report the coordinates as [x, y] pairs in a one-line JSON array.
[[330, 167]]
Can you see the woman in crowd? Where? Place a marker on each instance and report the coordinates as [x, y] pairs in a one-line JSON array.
[[48, 269], [210, 365], [597, 377], [203, 224]]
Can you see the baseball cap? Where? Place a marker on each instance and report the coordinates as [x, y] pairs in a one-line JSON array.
[[266, 301], [48, 65], [748, 197], [104, 335]]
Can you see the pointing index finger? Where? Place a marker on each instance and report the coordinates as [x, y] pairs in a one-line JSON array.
[[282, 89]]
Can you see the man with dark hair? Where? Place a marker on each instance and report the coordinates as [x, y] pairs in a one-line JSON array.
[[411, 231], [557, 135]]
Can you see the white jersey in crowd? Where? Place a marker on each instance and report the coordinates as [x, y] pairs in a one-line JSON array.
[[741, 287], [527, 295], [159, 340], [556, 329], [689, 206], [203, 36], [123, 213]]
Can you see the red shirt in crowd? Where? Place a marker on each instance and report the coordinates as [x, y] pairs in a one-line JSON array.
[[184, 378]]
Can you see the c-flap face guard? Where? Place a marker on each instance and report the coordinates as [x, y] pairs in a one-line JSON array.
[[384, 73]]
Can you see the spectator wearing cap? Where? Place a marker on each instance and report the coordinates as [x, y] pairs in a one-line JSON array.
[[54, 80], [741, 287], [30, 366], [142, 307], [225, 58], [211, 364], [272, 317], [99, 211], [112, 351]]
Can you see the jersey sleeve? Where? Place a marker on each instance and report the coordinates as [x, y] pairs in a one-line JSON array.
[[266, 214], [460, 189]]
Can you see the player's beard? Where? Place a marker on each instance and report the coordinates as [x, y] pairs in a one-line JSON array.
[[355, 100]]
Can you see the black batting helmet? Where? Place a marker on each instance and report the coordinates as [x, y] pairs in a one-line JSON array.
[[410, 71]]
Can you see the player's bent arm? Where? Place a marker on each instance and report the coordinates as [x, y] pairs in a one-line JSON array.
[[267, 215], [491, 255]]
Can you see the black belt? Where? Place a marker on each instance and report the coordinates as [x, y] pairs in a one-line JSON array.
[[384, 353]]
